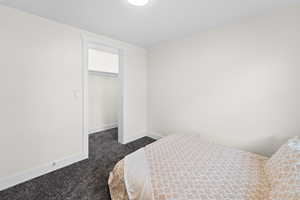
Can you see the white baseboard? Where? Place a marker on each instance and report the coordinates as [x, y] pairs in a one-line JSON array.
[[135, 136], [154, 135], [39, 171], [103, 128]]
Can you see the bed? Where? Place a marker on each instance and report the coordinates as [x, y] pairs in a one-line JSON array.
[[187, 168]]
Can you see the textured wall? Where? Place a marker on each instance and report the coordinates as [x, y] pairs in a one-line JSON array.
[[42, 94], [237, 85]]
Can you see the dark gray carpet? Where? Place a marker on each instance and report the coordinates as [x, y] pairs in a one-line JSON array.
[[85, 180]]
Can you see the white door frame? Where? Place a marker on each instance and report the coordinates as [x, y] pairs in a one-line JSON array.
[[92, 42]]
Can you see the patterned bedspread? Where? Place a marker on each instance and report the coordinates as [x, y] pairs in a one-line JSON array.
[[187, 168]]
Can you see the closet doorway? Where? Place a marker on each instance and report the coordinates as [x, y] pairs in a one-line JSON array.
[[104, 86]]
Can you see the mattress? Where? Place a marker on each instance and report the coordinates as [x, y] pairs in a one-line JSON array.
[[187, 168]]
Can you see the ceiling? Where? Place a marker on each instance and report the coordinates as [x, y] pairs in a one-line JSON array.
[[159, 21]]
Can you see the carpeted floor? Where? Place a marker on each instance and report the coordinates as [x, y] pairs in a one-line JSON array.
[[86, 180]]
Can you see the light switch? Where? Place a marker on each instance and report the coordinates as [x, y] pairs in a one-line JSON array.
[[76, 94]]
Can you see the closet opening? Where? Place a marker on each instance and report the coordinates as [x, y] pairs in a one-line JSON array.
[[104, 102]]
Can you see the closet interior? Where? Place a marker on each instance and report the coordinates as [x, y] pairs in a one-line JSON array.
[[104, 88]]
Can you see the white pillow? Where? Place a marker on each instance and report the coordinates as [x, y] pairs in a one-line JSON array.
[[283, 171]]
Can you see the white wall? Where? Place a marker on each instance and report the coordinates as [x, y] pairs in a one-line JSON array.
[[237, 85], [135, 95], [42, 95], [103, 106]]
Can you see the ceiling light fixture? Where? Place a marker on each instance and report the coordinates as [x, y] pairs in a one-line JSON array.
[[138, 2]]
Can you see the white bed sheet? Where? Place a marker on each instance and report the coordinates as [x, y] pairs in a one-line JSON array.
[[137, 176]]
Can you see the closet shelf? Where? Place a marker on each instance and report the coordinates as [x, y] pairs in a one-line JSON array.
[[109, 74]]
